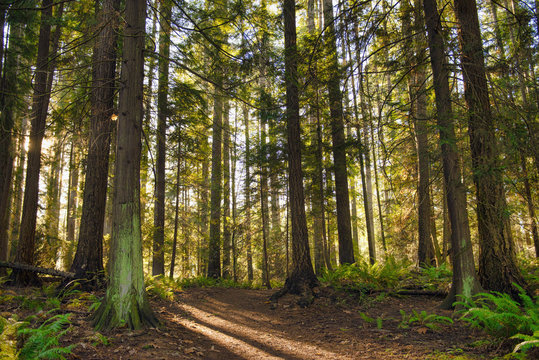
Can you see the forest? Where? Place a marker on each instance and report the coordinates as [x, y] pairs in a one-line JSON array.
[[298, 179]]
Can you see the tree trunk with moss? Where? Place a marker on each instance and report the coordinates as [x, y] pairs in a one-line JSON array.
[[126, 302]]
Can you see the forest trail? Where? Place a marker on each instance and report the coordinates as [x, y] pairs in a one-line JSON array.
[[219, 323]]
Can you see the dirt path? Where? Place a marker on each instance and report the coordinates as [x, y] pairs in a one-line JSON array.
[[216, 323]]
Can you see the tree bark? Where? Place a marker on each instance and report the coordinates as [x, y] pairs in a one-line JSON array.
[[176, 213], [40, 103], [497, 261], [418, 117], [227, 246], [126, 302], [302, 279], [158, 259], [346, 250], [72, 201], [88, 260], [465, 280], [7, 104], [214, 248], [247, 191]]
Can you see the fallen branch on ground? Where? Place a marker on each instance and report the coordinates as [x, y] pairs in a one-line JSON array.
[[53, 272]]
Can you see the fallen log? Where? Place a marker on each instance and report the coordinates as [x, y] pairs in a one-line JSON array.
[[53, 272]]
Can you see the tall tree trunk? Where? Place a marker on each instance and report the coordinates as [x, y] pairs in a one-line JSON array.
[[176, 212], [158, 259], [227, 246], [126, 302], [72, 201], [214, 248], [364, 162], [497, 261], [40, 104], [234, 156], [247, 195], [7, 105], [346, 250], [18, 190], [529, 202], [204, 211], [319, 223], [465, 280], [263, 187], [145, 161], [47, 256], [418, 117], [88, 261], [302, 279]]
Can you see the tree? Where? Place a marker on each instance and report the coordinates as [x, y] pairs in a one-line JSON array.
[[7, 105], [465, 280], [302, 278], [419, 118], [214, 248], [346, 249], [497, 261], [158, 264], [125, 301], [227, 240], [247, 194], [88, 260], [40, 104]]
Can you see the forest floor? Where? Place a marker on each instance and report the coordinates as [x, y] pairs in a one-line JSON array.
[[231, 323]]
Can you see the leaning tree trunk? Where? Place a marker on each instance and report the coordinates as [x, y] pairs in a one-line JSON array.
[[40, 103], [302, 279], [346, 249], [88, 260], [497, 261], [126, 302], [465, 280]]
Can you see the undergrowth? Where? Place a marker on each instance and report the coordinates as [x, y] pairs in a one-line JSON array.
[[502, 317], [165, 287], [43, 342], [363, 277]]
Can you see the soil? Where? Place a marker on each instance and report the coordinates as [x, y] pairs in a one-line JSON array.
[[220, 323]]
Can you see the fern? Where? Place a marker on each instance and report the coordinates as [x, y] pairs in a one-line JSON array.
[[43, 342], [501, 316]]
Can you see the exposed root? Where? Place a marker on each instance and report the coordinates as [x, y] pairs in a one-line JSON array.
[[139, 316], [298, 284]]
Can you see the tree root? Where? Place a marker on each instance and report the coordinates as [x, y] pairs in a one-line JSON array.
[[297, 284]]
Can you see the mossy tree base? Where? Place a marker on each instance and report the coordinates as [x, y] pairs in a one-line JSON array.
[[133, 312]]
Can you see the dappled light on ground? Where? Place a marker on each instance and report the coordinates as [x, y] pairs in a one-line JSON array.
[[247, 341]]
